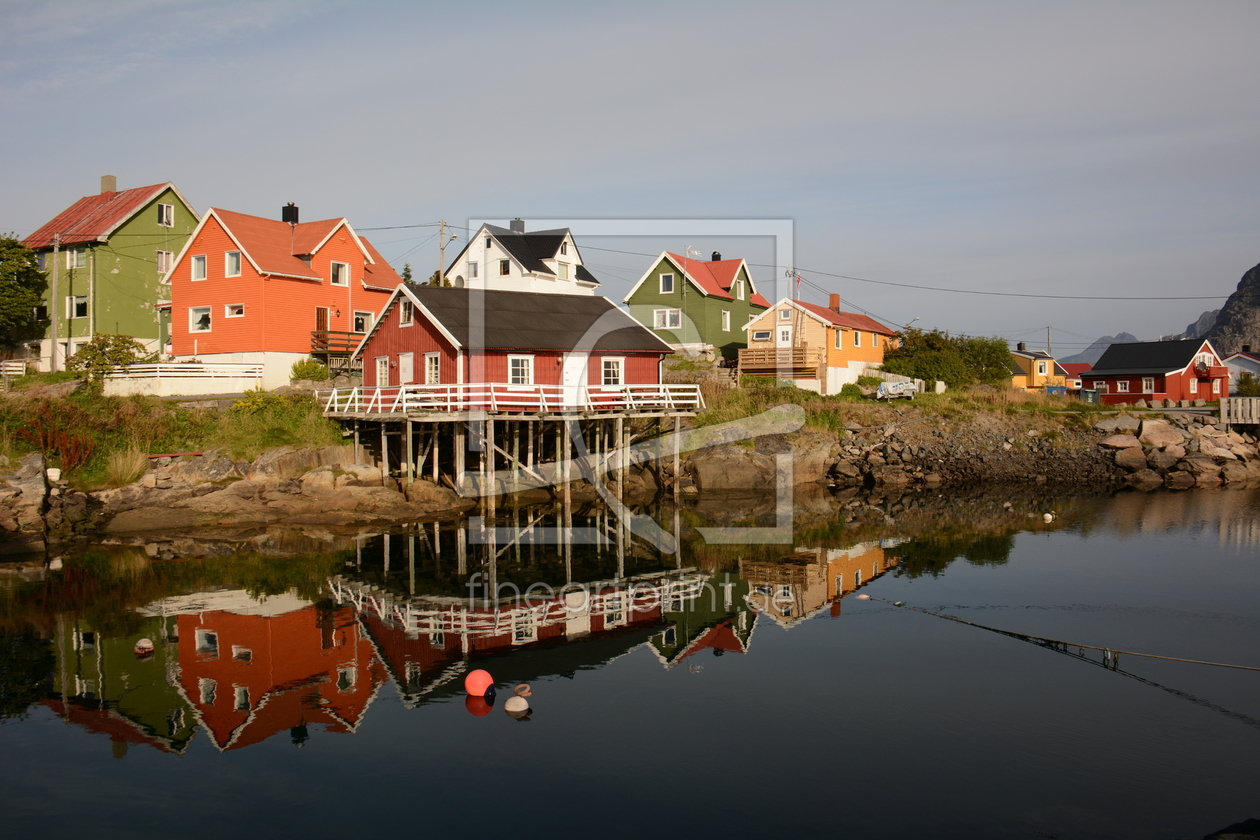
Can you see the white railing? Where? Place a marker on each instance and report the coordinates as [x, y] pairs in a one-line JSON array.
[[13, 367], [183, 380], [1240, 410], [495, 396], [191, 371]]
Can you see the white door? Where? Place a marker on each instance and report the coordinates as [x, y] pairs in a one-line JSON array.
[[382, 371], [406, 368], [574, 377], [783, 337]]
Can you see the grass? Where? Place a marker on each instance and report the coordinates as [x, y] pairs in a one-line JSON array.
[[123, 466]]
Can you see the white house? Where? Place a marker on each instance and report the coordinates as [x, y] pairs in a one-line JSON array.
[[1241, 362], [511, 260]]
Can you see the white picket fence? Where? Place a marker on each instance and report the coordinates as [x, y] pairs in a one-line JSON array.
[[183, 380], [497, 396]]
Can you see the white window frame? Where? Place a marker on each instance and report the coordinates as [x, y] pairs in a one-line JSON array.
[[242, 654], [228, 270], [839, 342], [240, 698], [564, 249], [164, 260], [726, 320], [406, 313], [166, 215], [564, 270], [367, 321], [515, 378], [1122, 386], [233, 310], [667, 319], [206, 641], [489, 241], [1216, 386], [762, 335], [382, 366], [339, 273], [194, 319], [472, 270], [1148, 384], [432, 368], [1194, 386], [667, 283], [613, 370], [785, 314], [1041, 368], [197, 267], [505, 268], [206, 690], [857, 338], [42, 260], [76, 258], [73, 304]]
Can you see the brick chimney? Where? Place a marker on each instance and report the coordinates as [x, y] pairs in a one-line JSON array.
[[834, 303], [109, 184]]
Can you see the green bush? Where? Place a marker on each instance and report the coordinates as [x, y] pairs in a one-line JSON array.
[[309, 369], [869, 381], [104, 353], [850, 391], [1247, 385]]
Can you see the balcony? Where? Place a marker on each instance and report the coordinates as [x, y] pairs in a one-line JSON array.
[[783, 362], [334, 348]]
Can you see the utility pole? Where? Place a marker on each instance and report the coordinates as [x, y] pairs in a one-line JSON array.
[[52, 303], [1049, 352]]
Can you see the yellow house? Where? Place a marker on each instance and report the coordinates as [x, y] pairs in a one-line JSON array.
[[1032, 370], [819, 348], [801, 585]]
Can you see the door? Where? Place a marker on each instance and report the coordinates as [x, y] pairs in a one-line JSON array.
[[382, 371], [406, 369], [321, 319], [783, 337], [574, 377]]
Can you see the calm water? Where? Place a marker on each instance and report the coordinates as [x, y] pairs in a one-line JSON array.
[[311, 683]]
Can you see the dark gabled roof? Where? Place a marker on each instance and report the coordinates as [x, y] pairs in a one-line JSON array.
[[531, 248], [1147, 357], [537, 321], [584, 276]]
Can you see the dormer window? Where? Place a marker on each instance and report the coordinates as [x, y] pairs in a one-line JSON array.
[[564, 248], [564, 271], [737, 289], [487, 243]]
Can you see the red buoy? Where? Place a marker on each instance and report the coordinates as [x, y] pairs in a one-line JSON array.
[[477, 682]]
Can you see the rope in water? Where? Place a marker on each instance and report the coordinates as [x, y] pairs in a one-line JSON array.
[[1111, 652]]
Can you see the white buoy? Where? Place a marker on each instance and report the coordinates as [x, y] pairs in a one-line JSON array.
[[516, 704]]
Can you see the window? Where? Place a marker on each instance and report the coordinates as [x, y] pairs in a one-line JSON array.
[[164, 261], [857, 338], [1194, 386], [564, 248], [613, 371], [564, 270], [1100, 385], [505, 267], [199, 319], [42, 260], [382, 371], [207, 642], [525, 628], [242, 654], [666, 319], [77, 306], [362, 321], [764, 335], [667, 284], [488, 240], [340, 274], [432, 368], [785, 337], [166, 215], [1122, 387], [785, 314], [234, 310], [472, 270], [1216, 386], [839, 344], [726, 320], [1148, 385], [1041, 368], [737, 289], [406, 313], [199, 267], [346, 678], [232, 264], [521, 370], [76, 258], [241, 703], [207, 691]]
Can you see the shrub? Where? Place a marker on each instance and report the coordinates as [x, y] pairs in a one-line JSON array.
[[869, 381], [850, 391], [309, 369], [104, 353], [1247, 385]]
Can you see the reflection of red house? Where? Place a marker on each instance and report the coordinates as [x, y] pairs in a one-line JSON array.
[[105, 721], [720, 638], [252, 675]]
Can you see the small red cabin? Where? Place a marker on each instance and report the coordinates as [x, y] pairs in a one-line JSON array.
[[1158, 370]]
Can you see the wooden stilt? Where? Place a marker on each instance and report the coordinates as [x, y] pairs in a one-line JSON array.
[[384, 456], [410, 452], [677, 459]]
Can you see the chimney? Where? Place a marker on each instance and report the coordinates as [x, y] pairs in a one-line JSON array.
[[717, 257], [289, 213], [1246, 348], [834, 303], [1022, 347], [517, 225], [109, 184]]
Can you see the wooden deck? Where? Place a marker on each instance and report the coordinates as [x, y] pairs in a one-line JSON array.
[[783, 363], [450, 402]]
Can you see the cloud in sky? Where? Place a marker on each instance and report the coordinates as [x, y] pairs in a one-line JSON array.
[[1067, 148]]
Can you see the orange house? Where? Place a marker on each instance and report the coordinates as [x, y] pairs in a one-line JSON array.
[[820, 348], [250, 290]]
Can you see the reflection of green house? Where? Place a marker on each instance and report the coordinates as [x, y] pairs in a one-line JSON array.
[[718, 620], [102, 685], [694, 305], [109, 254]]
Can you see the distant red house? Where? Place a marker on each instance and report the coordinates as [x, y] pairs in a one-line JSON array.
[[1164, 370], [1074, 372], [251, 290], [572, 347]]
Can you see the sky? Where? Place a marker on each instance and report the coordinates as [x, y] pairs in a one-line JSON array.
[[921, 152]]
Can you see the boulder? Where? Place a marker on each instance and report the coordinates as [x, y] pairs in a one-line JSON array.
[[318, 483], [1131, 458], [886, 477], [1119, 442], [1120, 424], [1157, 433], [1179, 480], [288, 462], [1145, 479], [359, 475], [1161, 460], [436, 498], [1235, 473], [152, 519], [731, 468]]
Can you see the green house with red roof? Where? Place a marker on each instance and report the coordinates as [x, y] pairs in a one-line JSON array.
[[697, 305], [108, 254]]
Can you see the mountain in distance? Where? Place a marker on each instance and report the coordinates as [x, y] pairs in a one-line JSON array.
[[1239, 320], [1198, 329], [1092, 353]]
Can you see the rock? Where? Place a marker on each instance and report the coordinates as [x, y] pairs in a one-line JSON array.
[[287, 462], [1198, 464], [433, 497], [1179, 480], [1119, 442], [1156, 433], [1145, 479], [1131, 458], [152, 519], [1217, 452], [1140, 404], [1235, 473], [731, 468], [317, 483], [890, 477], [359, 475], [1120, 424], [1163, 460], [1176, 451]]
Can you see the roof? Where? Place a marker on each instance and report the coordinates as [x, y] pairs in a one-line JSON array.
[[1241, 355], [274, 246], [529, 320], [530, 248], [1149, 357], [94, 217], [714, 277], [1074, 369], [844, 320]]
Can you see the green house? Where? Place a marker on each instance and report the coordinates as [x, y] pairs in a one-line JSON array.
[[695, 305], [107, 255]]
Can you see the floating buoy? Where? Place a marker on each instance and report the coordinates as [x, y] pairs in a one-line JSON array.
[[899, 603], [479, 683], [516, 704], [1048, 517], [478, 706], [864, 597]]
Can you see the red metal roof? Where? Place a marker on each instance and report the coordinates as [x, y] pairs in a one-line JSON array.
[[94, 217], [715, 276], [849, 320], [1075, 369]]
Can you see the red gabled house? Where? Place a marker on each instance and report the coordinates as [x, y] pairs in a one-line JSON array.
[[1158, 370], [252, 290], [532, 349]]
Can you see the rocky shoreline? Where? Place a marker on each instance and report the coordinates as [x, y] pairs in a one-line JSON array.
[[325, 487]]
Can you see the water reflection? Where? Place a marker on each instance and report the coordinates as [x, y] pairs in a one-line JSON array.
[[297, 634]]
